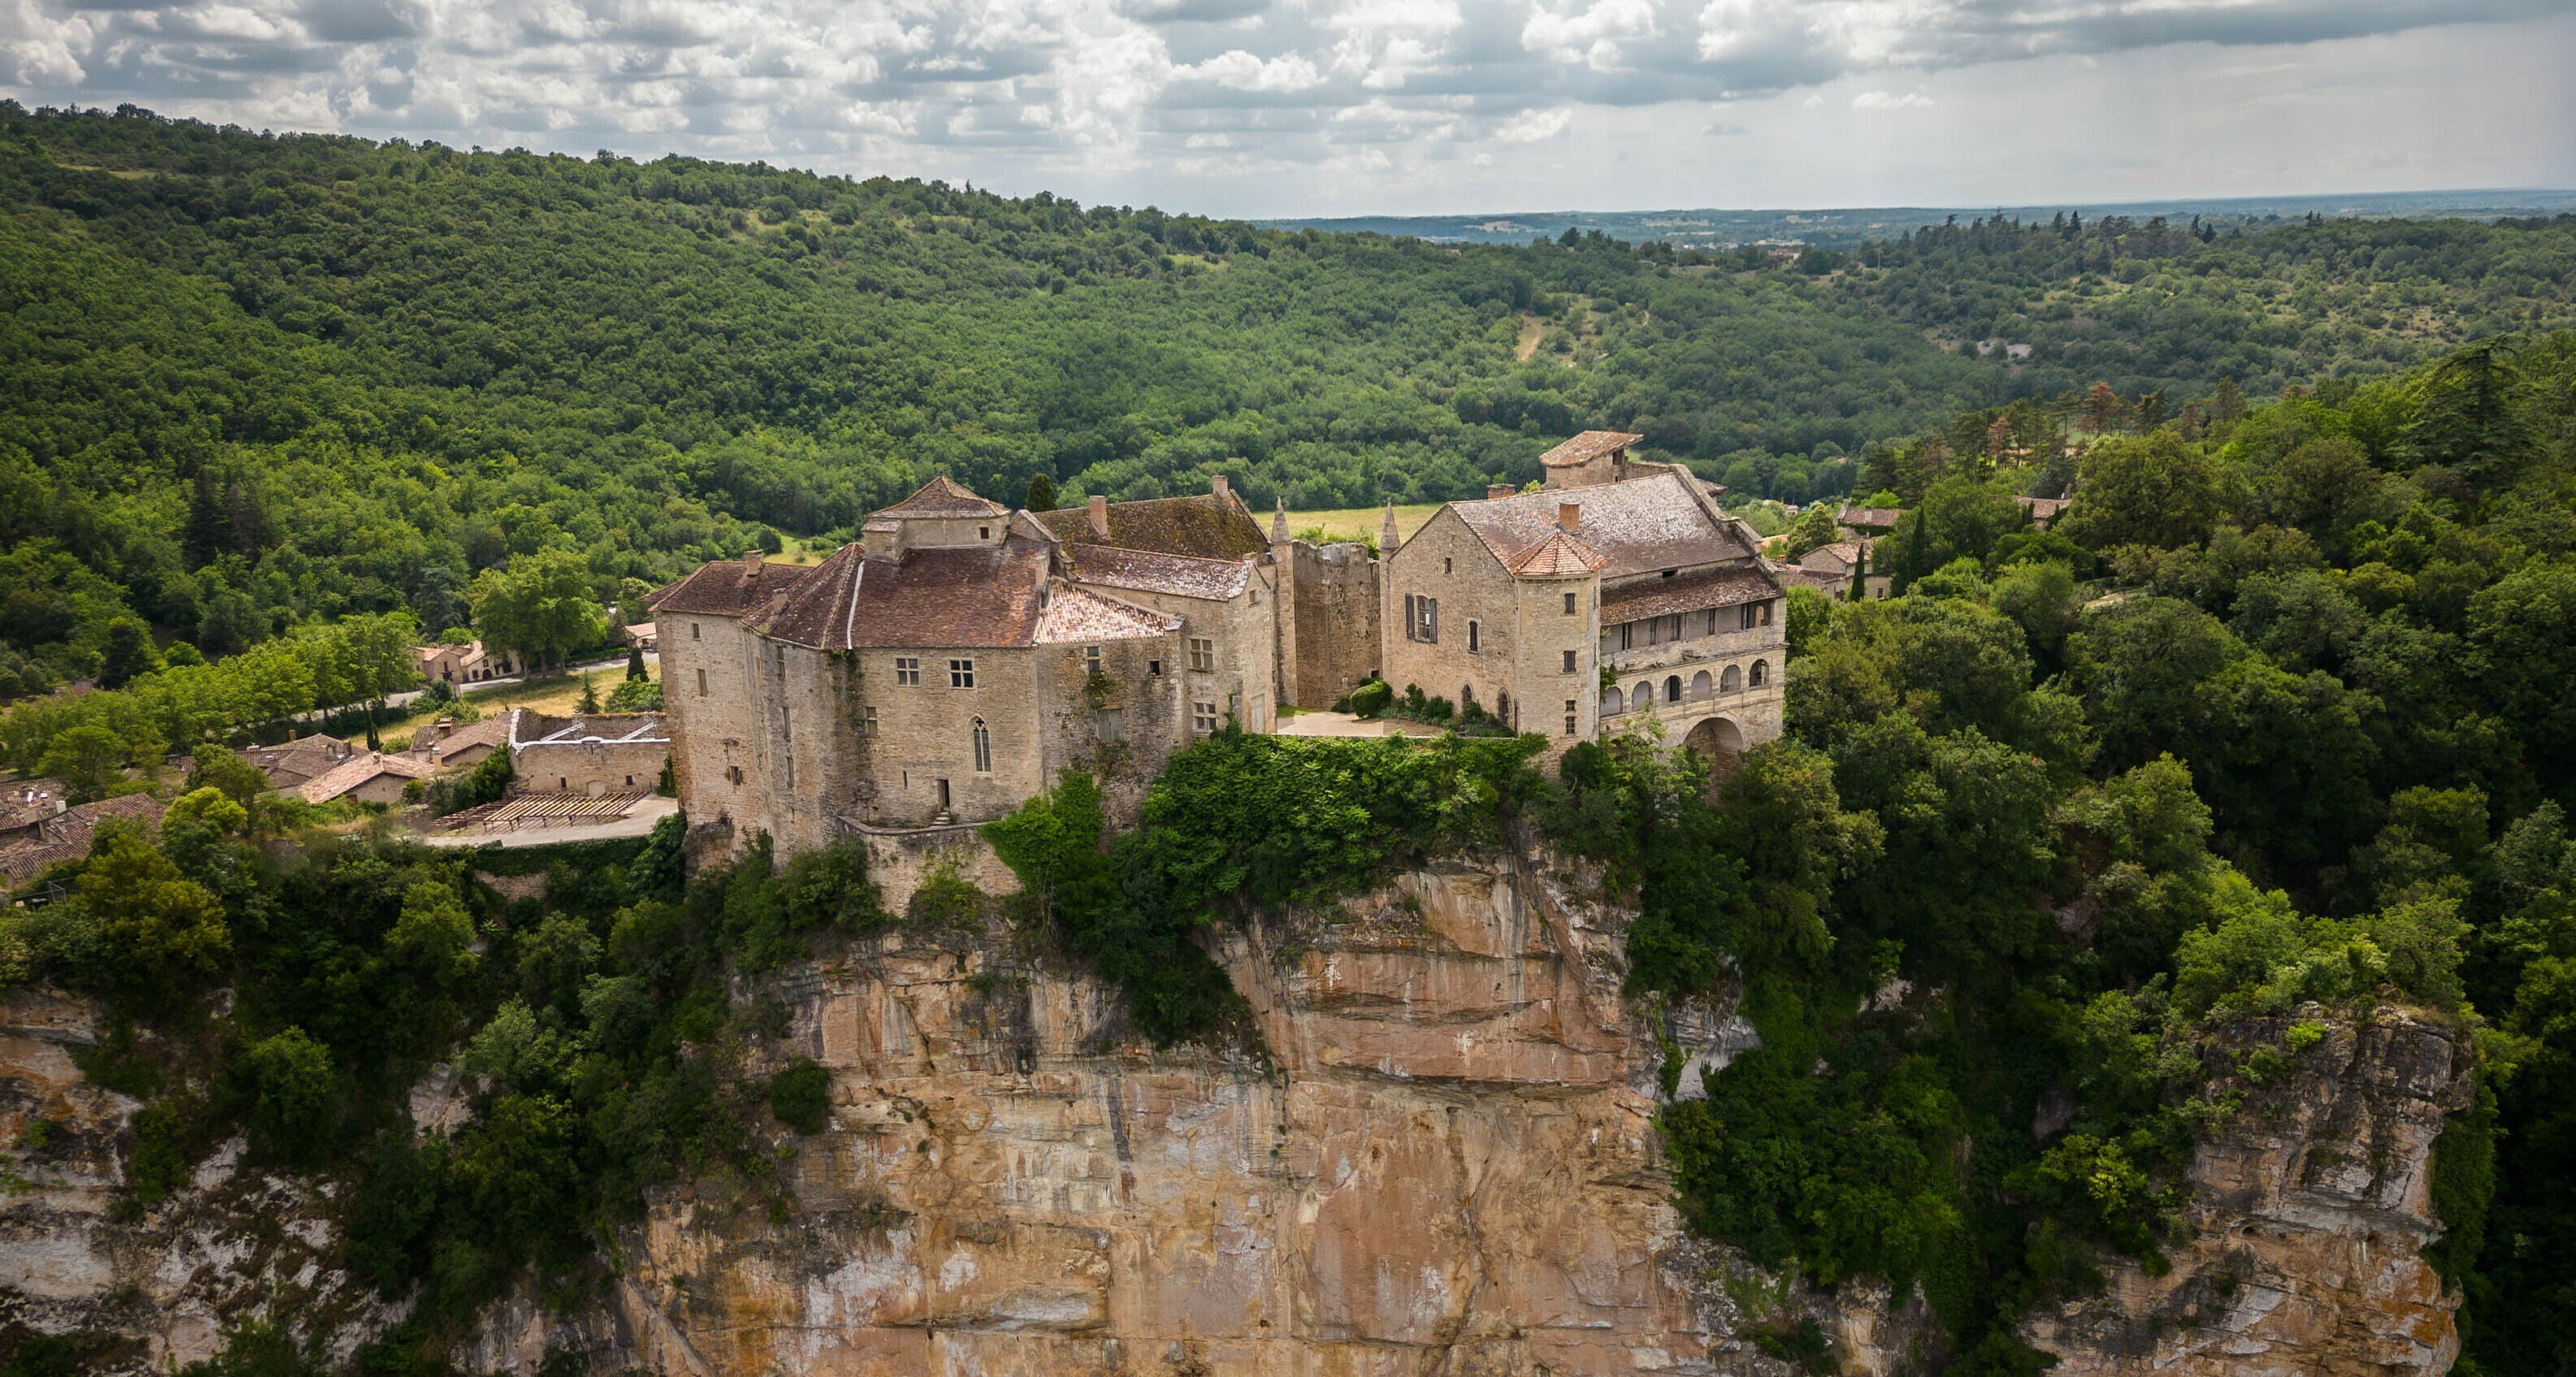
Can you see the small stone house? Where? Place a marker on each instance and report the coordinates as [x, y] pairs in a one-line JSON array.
[[366, 777], [451, 747], [291, 763], [26, 805], [466, 664], [595, 754], [1829, 568]]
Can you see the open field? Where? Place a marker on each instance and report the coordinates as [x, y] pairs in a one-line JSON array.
[[1361, 523]]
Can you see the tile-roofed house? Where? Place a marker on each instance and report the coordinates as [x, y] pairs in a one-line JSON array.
[[1522, 603], [68, 835], [1078, 615], [24, 861], [1830, 568], [1870, 520], [26, 803], [369, 777], [729, 587], [1589, 446], [290, 763], [465, 664], [971, 596], [453, 747]]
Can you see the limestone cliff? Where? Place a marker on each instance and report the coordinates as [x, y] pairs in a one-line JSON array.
[[1432, 1152]]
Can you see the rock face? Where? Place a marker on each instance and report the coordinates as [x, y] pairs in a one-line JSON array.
[[2307, 1213], [1434, 1154]]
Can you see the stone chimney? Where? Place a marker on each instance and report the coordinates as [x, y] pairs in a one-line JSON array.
[[1569, 516], [1279, 523], [1216, 486], [444, 726], [751, 564], [1100, 516], [1496, 492]]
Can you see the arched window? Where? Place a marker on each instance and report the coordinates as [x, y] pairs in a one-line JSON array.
[[1700, 684], [1503, 707], [1611, 703], [983, 749], [1730, 681], [1641, 697], [1761, 673], [1673, 688], [1466, 695]]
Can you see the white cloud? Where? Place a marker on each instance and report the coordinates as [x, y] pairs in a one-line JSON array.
[[1881, 100], [1239, 70], [1596, 36], [1536, 125]]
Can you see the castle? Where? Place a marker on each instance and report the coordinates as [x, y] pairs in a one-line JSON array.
[[955, 659]]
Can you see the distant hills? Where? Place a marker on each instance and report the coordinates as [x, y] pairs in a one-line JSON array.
[[1843, 229]]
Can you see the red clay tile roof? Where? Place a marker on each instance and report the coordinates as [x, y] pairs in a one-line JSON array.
[[1075, 615], [351, 773], [1149, 572], [27, 802], [292, 762], [1589, 445], [983, 595], [26, 861], [77, 824], [1687, 593], [941, 497], [1639, 526], [1844, 552], [492, 731], [1875, 518], [1204, 526], [1559, 556], [724, 588]]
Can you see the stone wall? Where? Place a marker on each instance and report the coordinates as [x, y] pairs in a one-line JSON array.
[[1336, 621]]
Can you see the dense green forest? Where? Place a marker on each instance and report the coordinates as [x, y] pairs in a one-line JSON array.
[[252, 381]]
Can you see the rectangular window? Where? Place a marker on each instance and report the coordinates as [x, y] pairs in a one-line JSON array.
[[1569, 662], [868, 722], [1673, 627], [1569, 604], [791, 772], [1475, 636], [961, 674], [1202, 655], [907, 669], [1569, 717], [1712, 621], [1627, 635], [1766, 614], [1091, 659], [786, 724], [702, 683], [1744, 618], [693, 631], [1422, 618], [1112, 724], [1154, 669], [1203, 718]]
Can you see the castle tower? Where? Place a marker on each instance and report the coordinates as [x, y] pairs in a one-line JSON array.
[[1283, 615]]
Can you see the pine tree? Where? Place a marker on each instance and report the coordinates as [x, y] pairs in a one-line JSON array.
[[634, 663], [2101, 410], [248, 517], [2227, 404], [1041, 496], [208, 531], [589, 696]]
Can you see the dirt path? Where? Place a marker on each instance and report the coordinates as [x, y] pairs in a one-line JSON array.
[[1531, 332]]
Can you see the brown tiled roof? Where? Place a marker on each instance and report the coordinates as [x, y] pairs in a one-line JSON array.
[[1845, 551], [351, 773], [1687, 593], [1559, 556], [724, 588], [982, 595], [1151, 572], [1880, 518], [292, 762], [1075, 615], [1637, 527], [1589, 445], [1205, 526], [493, 731], [2043, 510], [76, 825], [27, 860], [27, 802], [941, 497]]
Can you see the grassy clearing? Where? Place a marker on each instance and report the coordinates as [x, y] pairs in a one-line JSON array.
[[1362, 523], [556, 695]]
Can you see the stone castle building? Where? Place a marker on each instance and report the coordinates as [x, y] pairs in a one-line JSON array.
[[960, 655]]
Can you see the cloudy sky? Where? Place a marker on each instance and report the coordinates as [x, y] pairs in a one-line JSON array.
[[1318, 107]]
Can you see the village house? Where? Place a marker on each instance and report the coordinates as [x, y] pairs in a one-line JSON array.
[[367, 777], [27, 805], [1829, 569], [451, 747], [1615, 595], [292, 762], [67, 834], [466, 664]]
